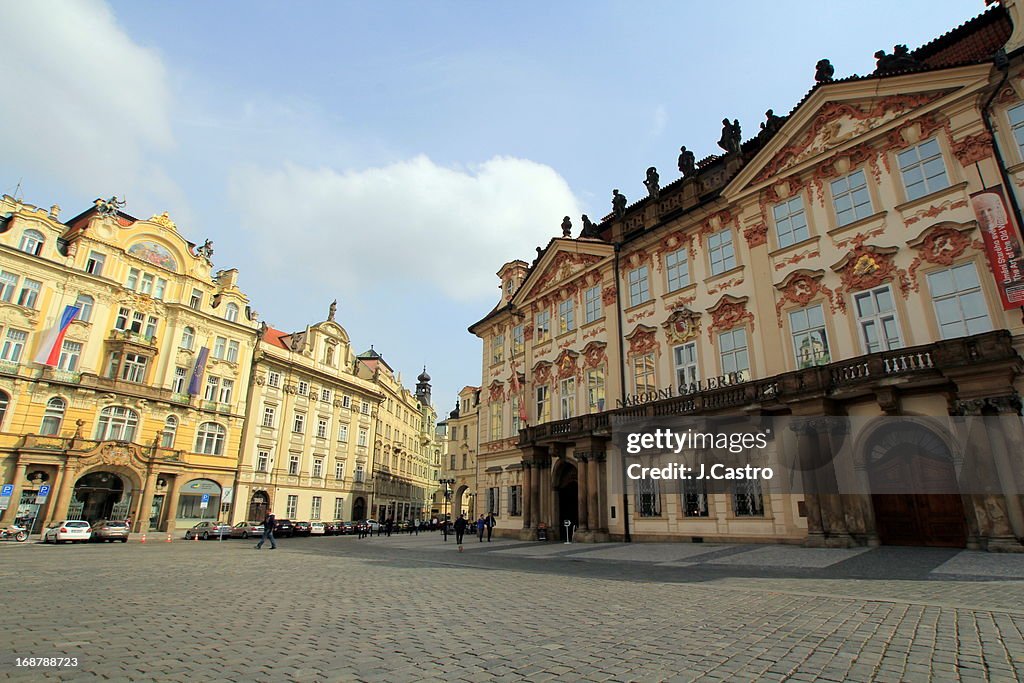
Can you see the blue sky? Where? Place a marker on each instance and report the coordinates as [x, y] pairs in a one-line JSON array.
[[393, 155]]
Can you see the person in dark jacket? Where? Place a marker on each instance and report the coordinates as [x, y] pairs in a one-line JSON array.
[[460, 529], [481, 524], [491, 523], [268, 532]]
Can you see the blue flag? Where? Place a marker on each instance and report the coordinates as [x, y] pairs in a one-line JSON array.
[[195, 384]]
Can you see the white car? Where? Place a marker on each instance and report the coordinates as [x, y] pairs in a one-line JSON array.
[[75, 530], [317, 529]]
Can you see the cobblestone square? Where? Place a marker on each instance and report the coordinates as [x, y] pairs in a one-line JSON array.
[[413, 608]]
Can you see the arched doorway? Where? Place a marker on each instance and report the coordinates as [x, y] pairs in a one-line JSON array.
[[259, 504], [100, 495], [566, 497], [359, 509], [914, 488]]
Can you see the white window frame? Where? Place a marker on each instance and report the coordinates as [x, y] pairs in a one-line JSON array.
[[567, 396], [806, 328], [721, 252], [639, 285], [566, 316], [915, 160], [687, 364], [969, 288], [592, 304], [791, 221], [877, 320], [734, 357], [851, 191], [645, 366]]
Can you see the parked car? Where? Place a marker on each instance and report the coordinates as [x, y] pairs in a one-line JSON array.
[[247, 529], [284, 528], [345, 528], [110, 531], [373, 525], [331, 529], [208, 530], [74, 530], [300, 529], [317, 529]]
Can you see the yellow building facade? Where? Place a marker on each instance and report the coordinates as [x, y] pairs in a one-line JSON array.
[[307, 449], [138, 409], [836, 264], [463, 442]]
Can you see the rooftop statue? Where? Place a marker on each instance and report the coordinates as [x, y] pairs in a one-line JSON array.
[[823, 71], [618, 204], [731, 136], [687, 163], [652, 182]]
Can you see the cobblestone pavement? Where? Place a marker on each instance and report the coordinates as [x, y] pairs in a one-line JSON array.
[[412, 608]]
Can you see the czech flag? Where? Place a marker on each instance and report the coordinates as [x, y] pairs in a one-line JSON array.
[[195, 385], [49, 349]]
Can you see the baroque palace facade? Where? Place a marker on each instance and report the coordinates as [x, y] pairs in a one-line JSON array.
[[136, 383], [846, 261]]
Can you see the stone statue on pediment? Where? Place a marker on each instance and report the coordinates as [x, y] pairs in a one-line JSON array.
[[687, 163], [653, 182], [619, 204], [589, 228], [823, 71], [731, 136], [566, 227]]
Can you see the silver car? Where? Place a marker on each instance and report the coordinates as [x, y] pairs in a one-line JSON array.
[[247, 529], [207, 530], [110, 531]]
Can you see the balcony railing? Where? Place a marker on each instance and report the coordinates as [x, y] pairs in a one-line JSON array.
[[134, 337]]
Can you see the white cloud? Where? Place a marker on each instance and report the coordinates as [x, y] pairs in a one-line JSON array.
[[84, 104], [660, 120], [409, 223]]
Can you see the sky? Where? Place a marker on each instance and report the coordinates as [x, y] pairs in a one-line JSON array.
[[393, 155]]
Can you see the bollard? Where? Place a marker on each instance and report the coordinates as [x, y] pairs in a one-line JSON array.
[[168, 538], [143, 538]]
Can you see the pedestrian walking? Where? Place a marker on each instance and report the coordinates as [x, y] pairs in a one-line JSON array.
[[460, 529], [416, 528], [481, 523], [268, 532], [388, 526], [491, 523]]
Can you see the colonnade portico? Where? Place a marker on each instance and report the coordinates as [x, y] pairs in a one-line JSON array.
[[540, 492]]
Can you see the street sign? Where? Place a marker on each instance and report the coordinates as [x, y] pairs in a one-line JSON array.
[[206, 498], [42, 494], [7, 491]]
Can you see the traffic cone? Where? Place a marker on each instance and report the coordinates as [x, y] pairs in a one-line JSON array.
[[143, 538], [168, 538]]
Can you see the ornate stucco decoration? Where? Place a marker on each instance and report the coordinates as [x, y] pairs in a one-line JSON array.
[[566, 364], [801, 287], [940, 245], [682, 325], [643, 339], [594, 354], [729, 312], [868, 266]]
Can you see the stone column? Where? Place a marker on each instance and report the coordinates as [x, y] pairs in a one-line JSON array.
[[51, 505], [67, 488], [1002, 437], [535, 485], [594, 482], [20, 471], [582, 488], [172, 504], [142, 516], [527, 494], [806, 460]]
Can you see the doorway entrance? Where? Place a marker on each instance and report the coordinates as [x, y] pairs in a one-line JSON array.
[[914, 489], [567, 498], [259, 504], [359, 509], [100, 495]]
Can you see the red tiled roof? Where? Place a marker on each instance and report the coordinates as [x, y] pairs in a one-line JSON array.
[[974, 40], [276, 337]]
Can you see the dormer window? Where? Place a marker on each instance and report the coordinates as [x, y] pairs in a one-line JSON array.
[[32, 242], [231, 313]]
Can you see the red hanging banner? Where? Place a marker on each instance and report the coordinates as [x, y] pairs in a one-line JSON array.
[[1002, 244]]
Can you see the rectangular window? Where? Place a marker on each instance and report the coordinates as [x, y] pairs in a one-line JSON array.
[[343, 433], [567, 316], [721, 252], [543, 320], [318, 468], [339, 508], [498, 348], [515, 501], [303, 388], [269, 415], [517, 340], [567, 390], [151, 325], [292, 508], [747, 498], [732, 347], [639, 291], [299, 423], [790, 221], [121, 321], [362, 437], [160, 288], [29, 294], [273, 379], [146, 287], [960, 307], [84, 303], [94, 264], [644, 377], [8, 285], [543, 405], [592, 304], [293, 465], [233, 347], [321, 428], [810, 342], [517, 422], [1016, 116], [180, 377], [339, 469], [876, 319], [14, 344], [70, 352], [196, 300], [325, 395], [262, 460], [694, 494], [493, 500], [496, 421], [677, 266], [212, 385], [851, 198], [134, 368], [346, 401], [687, 372], [923, 169], [648, 498], [133, 279], [138, 320], [220, 345], [595, 390], [227, 386]]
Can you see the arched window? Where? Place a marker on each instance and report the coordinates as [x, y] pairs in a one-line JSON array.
[[231, 313], [84, 303], [53, 417], [170, 429], [329, 355], [188, 338], [117, 424], [32, 242], [210, 439], [5, 401]]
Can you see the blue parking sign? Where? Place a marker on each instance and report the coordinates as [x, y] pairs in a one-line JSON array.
[[43, 491], [7, 490], [206, 497]]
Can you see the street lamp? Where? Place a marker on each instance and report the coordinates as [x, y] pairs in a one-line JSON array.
[[447, 497]]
